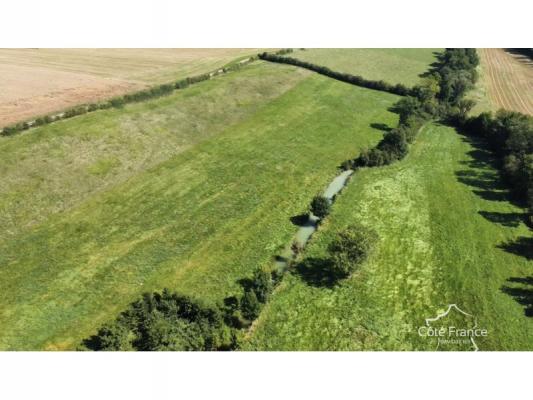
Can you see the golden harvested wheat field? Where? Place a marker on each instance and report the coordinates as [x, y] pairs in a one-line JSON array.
[[508, 78]]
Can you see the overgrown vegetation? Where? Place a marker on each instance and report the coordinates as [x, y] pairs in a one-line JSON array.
[[165, 321], [169, 321]]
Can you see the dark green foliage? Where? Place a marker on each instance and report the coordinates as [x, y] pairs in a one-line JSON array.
[[320, 206], [409, 107], [164, 321], [350, 248], [117, 102], [457, 73], [262, 285], [250, 305], [348, 78], [394, 144]]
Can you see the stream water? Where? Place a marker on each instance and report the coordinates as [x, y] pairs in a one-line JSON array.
[[306, 230]]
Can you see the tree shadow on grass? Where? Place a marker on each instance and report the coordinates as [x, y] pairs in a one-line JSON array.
[[482, 173], [505, 219], [434, 66], [523, 293], [316, 272], [523, 246], [380, 126]]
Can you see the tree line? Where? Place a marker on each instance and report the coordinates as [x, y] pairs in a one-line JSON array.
[[510, 137], [440, 95], [357, 80]]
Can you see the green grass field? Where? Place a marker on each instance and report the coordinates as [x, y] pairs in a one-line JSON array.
[[391, 65], [443, 220], [191, 192]]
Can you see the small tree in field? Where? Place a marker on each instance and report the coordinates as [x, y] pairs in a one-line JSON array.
[[262, 285], [250, 306], [320, 206], [350, 248]]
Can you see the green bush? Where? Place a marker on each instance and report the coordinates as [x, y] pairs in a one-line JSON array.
[[262, 285], [320, 206], [164, 321], [350, 248], [250, 305]]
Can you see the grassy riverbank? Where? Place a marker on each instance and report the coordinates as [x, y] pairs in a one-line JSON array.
[[448, 235]]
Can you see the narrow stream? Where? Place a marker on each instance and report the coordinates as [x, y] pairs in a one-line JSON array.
[[303, 235]]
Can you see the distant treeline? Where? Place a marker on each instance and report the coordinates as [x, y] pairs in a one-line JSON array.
[[278, 57], [117, 102]]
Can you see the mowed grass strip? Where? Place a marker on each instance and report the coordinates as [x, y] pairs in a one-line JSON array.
[[196, 222], [53, 168], [443, 217], [390, 65]]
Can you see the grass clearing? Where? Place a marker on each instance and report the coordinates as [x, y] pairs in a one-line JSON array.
[[196, 220], [390, 65], [446, 233], [52, 168]]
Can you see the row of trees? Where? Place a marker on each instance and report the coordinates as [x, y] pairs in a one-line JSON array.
[[120, 101], [510, 136], [441, 94], [344, 77]]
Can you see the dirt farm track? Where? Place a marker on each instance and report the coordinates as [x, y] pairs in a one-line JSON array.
[[41, 81], [509, 79]]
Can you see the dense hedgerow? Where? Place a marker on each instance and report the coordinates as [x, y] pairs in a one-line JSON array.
[[278, 57]]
